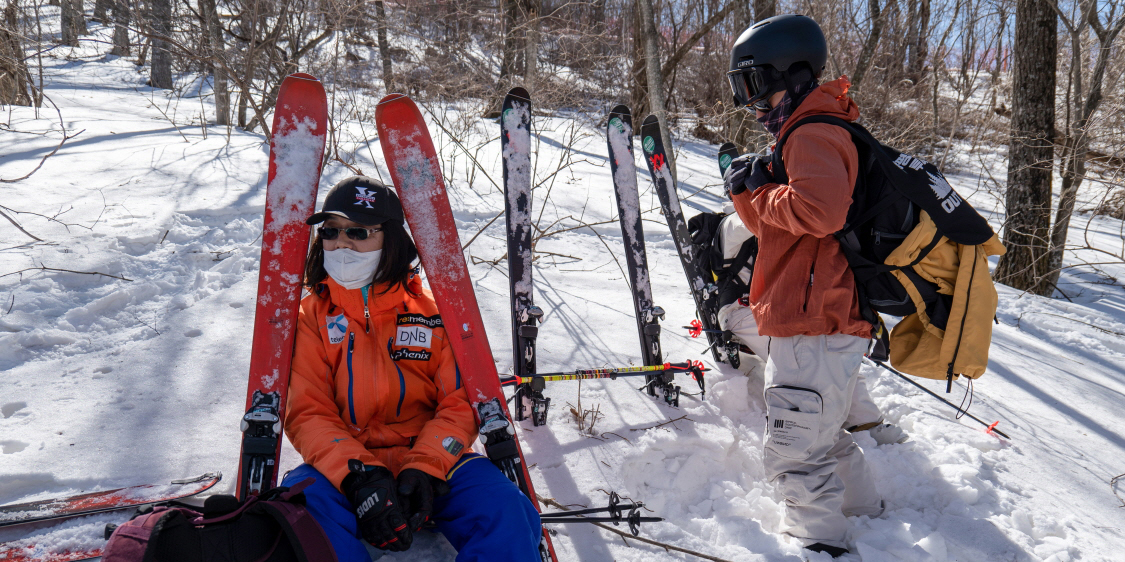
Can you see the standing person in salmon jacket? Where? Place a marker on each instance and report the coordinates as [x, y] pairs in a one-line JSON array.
[[803, 295], [376, 407]]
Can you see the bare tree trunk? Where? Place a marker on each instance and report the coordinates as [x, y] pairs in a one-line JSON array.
[[656, 81], [69, 22], [101, 10], [638, 101], [384, 46], [918, 38], [1077, 138], [121, 28], [531, 42], [80, 21], [15, 89], [764, 9], [161, 58], [1030, 149], [878, 19], [214, 34]]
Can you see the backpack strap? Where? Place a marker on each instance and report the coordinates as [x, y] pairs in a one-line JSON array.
[[748, 250]]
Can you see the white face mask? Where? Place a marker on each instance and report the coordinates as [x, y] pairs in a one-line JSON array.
[[352, 269]]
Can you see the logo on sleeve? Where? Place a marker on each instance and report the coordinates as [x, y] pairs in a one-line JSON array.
[[414, 336], [452, 446], [337, 328]]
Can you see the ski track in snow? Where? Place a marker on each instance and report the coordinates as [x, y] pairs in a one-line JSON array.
[[108, 383]]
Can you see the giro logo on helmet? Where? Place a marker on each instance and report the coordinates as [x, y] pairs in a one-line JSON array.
[[746, 63]]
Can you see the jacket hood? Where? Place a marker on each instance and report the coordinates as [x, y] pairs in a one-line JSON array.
[[831, 98]]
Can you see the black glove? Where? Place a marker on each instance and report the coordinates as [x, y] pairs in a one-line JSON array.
[[417, 491], [372, 491], [749, 171]]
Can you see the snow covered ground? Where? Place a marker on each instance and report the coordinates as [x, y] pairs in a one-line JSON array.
[[135, 371]]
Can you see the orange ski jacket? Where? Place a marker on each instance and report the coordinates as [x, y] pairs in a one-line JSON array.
[[384, 390], [802, 284]]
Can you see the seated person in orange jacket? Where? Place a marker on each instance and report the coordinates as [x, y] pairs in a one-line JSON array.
[[376, 408]]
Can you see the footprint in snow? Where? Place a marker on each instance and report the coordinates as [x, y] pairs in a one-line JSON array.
[[193, 333], [9, 447], [9, 409], [104, 370], [235, 304]]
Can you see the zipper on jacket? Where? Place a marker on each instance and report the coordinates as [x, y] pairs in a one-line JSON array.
[[401, 379], [366, 313], [351, 378], [808, 290]]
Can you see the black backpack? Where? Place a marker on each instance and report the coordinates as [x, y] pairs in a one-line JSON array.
[[891, 189]]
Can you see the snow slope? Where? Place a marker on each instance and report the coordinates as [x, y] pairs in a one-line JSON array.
[[137, 373]]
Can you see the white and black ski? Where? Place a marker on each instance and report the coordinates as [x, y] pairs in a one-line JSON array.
[[515, 142], [704, 291], [619, 136]]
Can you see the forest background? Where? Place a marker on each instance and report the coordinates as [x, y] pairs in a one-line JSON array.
[[948, 80]]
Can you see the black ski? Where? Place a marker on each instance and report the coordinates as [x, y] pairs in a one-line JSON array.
[[704, 291], [619, 136], [515, 143]]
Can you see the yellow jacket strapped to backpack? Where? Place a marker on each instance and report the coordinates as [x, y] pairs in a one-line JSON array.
[[919, 348]]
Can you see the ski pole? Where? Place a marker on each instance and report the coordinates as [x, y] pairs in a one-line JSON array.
[[991, 426], [692, 367], [615, 510], [697, 328]]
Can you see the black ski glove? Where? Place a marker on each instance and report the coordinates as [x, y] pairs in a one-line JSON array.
[[372, 491], [417, 491], [749, 171]]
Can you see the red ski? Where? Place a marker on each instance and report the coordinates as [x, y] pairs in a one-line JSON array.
[[416, 173], [296, 152], [34, 548], [105, 500]]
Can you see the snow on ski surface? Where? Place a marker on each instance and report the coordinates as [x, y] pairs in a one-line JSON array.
[[517, 154], [108, 383], [621, 144]]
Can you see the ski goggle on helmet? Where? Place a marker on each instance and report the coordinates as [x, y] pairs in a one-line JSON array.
[[765, 55]]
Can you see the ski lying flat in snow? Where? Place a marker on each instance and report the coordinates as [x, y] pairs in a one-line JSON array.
[[57, 511], [413, 163], [515, 143], [701, 290], [619, 137], [296, 149], [105, 500]]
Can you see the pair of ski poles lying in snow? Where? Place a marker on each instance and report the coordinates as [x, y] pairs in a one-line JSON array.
[[696, 328], [694, 368], [615, 510]]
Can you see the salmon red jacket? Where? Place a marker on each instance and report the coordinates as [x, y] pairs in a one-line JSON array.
[[802, 284], [385, 391]]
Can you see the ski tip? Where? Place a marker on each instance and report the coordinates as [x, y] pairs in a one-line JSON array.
[[302, 76], [391, 98], [651, 121], [727, 152], [621, 110], [520, 94], [727, 147]]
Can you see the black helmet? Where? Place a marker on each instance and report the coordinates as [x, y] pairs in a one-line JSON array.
[[775, 54]]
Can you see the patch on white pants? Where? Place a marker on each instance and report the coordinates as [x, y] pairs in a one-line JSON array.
[[792, 421]]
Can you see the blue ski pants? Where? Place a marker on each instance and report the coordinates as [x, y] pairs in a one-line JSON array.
[[484, 515]]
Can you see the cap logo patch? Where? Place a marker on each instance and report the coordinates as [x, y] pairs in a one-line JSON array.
[[364, 197]]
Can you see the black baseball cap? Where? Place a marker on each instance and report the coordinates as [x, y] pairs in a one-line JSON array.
[[360, 199]]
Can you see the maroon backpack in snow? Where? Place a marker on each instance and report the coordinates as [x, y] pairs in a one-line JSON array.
[[272, 528]]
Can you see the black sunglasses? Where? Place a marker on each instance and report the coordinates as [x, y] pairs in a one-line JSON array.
[[355, 232]]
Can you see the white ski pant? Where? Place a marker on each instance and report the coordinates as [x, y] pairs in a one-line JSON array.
[[820, 472], [740, 320]]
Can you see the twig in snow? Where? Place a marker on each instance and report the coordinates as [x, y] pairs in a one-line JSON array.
[[44, 268], [17, 225], [624, 535], [482, 229], [673, 422], [1099, 328], [1113, 486]]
